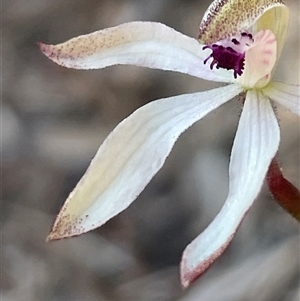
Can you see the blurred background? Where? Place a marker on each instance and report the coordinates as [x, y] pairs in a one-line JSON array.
[[53, 121]]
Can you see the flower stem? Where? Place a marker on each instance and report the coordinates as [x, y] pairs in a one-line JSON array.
[[285, 193]]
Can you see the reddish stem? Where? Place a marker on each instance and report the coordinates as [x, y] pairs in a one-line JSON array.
[[285, 193]]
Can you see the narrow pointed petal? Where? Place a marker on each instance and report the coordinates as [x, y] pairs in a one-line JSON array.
[[129, 158], [255, 145], [146, 44], [286, 95]]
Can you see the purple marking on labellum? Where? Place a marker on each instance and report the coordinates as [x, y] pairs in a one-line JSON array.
[[230, 53]]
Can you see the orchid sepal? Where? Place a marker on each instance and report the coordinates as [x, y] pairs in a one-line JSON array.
[[146, 44], [225, 18], [255, 145]]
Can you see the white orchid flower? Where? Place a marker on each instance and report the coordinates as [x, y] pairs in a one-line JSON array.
[[240, 42]]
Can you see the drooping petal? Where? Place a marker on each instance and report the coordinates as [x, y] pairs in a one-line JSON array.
[[286, 95], [225, 18], [146, 44], [259, 60], [255, 145], [130, 157]]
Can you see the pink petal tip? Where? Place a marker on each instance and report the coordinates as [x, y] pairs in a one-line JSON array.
[[190, 274]]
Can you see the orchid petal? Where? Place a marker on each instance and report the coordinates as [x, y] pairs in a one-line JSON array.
[[146, 44], [129, 158], [286, 95], [255, 144]]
